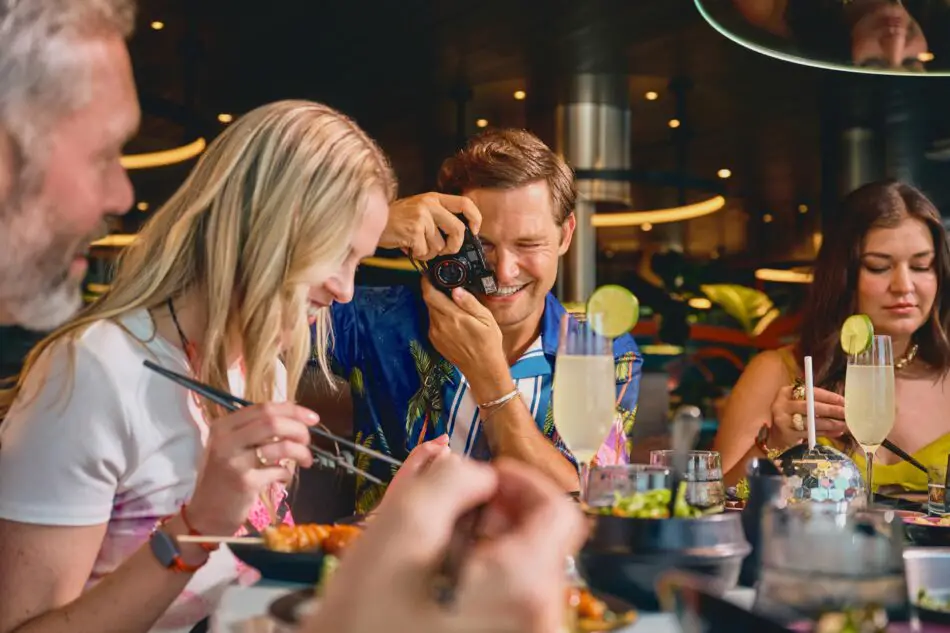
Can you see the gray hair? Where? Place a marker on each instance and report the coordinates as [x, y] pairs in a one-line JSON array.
[[41, 75]]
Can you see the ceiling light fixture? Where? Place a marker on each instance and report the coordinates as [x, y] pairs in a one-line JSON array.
[[700, 303], [783, 276], [646, 226], [674, 123], [482, 122], [767, 218], [658, 216], [224, 117], [158, 25], [724, 173], [803, 208], [520, 95], [142, 206], [925, 57], [164, 157], [651, 96]]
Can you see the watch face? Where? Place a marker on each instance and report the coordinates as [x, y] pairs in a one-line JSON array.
[[164, 547]]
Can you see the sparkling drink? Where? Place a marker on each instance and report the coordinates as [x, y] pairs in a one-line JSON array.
[[869, 403], [584, 402]]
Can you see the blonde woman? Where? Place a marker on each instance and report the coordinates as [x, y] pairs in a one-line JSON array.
[[103, 463]]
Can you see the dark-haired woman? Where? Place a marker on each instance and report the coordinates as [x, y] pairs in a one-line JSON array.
[[886, 256]]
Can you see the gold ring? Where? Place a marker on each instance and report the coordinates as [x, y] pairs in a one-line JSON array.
[[798, 422], [260, 457], [798, 391]]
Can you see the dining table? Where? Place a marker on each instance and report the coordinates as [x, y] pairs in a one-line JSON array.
[[244, 609]]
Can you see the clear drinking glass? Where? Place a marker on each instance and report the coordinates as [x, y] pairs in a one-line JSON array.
[[869, 408], [605, 482], [936, 490], [584, 389], [815, 561], [704, 487]]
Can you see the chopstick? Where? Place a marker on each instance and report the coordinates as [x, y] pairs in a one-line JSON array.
[[897, 450], [233, 403], [463, 538], [224, 540], [345, 465]]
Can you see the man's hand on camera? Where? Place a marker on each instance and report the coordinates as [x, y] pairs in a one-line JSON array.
[[465, 333], [416, 224]]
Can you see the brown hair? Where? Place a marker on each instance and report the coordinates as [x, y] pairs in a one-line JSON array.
[[833, 297], [507, 159]]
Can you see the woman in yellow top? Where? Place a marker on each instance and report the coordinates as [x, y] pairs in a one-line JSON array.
[[886, 256]]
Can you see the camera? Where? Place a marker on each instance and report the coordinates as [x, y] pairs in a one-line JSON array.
[[466, 269]]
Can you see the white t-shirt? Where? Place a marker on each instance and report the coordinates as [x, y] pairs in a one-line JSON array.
[[103, 439]]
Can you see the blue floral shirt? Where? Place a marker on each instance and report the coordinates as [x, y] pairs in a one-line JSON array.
[[403, 390]]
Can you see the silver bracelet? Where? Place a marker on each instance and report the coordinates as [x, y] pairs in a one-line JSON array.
[[492, 412], [500, 401]]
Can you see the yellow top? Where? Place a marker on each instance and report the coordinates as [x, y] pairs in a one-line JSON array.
[[903, 474]]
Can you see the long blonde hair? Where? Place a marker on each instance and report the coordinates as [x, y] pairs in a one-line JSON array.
[[280, 192]]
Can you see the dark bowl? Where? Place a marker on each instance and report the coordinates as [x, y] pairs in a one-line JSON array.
[[625, 557], [931, 535], [300, 567]]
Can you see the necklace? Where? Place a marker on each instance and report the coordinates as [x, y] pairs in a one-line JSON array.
[[190, 349], [907, 358]]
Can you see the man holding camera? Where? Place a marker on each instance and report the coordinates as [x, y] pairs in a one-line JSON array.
[[473, 365]]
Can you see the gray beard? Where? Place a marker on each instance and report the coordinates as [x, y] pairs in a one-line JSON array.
[[36, 291]]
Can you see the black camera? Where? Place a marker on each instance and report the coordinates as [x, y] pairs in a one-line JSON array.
[[466, 269]]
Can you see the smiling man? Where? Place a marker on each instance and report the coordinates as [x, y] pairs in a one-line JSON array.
[[470, 369], [67, 106]]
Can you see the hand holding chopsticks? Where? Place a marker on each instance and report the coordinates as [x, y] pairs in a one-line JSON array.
[[233, 403], [512, 580]]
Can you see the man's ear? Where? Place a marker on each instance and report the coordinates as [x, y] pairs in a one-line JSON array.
[[567, 233]]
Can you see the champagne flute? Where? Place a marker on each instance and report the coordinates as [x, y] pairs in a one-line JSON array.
[[869, 407], [584, 390]]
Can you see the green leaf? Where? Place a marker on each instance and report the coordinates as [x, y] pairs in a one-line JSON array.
[[356, 382], [745, 305]]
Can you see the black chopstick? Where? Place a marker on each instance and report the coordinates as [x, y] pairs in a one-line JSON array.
[[897, 450], [233, 403], [345, 465], [461, 542]]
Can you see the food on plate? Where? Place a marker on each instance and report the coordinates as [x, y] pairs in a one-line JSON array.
[[653, 504], [933, 603], [943, 521], [587, 612], [305, 537]]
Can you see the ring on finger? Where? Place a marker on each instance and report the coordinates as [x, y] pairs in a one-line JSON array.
[[798, 422], [261, 460], [798, 391]]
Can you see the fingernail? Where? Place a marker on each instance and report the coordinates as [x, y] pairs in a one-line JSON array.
[[312, 416]]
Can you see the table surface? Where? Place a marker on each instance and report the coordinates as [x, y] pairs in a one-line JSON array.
[[244, 610]]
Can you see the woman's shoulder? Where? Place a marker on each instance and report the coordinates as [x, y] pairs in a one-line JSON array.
[[774, 363]]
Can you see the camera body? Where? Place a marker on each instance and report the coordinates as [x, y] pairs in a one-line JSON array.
[[466, 269]]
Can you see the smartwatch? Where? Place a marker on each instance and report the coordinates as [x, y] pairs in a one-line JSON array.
[[165, 548]]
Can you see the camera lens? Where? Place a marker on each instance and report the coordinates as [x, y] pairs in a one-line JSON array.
[[450, 273]]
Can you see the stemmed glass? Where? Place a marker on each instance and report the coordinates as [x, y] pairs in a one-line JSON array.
[[584, 389], [869, 408]]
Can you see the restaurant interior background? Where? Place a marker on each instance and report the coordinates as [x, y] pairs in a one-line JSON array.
[[739, 157]]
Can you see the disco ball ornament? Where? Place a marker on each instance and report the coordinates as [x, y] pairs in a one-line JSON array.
[[821, 474]]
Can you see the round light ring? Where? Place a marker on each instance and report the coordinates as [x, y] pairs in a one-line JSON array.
[[165, 157], [658, 216]]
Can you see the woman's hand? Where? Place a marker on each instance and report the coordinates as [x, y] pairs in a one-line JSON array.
[[247, 451], [788, 430]]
